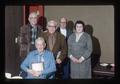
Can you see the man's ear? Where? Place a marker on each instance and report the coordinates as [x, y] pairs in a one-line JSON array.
[[44, 45]]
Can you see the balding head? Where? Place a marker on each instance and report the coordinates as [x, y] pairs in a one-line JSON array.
[[33, 17], [63, 19], [63, 22], [52, 22], [33, 14]]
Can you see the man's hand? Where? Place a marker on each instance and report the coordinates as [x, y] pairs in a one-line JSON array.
[[58, 61]]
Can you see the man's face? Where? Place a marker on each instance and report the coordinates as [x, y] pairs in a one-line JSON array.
[[63, 23], [40, 46], [33, 19], [51, 28]]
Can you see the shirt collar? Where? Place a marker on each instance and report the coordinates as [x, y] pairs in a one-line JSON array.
[[37, 53]]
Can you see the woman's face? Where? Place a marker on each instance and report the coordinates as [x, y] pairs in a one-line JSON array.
[[79, 28]]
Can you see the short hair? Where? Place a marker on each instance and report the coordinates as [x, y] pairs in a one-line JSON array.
[[80, 22], [52, 21], [33, 13], [40, 39], [63, 18]]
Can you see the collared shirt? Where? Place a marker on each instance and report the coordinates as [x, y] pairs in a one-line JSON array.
[[34, 35], [63, 31], [51, 39], [49, 63]]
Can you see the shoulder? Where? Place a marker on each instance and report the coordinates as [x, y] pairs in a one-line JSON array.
[[72, 35], [25, 26], [32, 53], [43, 34], [48, 52], [86, 35], [60, 35]]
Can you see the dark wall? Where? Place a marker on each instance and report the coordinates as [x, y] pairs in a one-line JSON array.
[[13, 21]]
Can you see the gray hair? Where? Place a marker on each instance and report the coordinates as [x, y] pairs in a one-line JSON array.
[[52, 21], [63, 18], [40, 39], [33, 13]]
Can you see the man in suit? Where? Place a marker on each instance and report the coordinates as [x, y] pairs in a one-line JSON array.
[[28, 34], [56, 43], [66, 32]]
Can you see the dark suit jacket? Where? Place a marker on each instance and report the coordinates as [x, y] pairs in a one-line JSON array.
[[69, 32], [25, 38], [60, 44]]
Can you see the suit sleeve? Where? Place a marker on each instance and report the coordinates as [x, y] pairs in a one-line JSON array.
[[63, 48], [88, 48], [69, 46], [25, 64]]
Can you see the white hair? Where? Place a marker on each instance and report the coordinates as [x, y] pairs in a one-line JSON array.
[[53, 22], [40, 39], [33, 14]]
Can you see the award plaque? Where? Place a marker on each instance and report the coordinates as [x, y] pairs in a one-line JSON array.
[[37, 66]]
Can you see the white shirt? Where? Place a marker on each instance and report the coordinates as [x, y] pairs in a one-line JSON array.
[[63, 31], [78, 36]]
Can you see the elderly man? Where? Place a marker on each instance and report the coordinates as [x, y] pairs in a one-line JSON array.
[[28, 34], [56, 43], [40, 63], [66, 32]]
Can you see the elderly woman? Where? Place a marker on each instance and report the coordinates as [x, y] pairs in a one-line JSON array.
[[39, 63], [79, 51]]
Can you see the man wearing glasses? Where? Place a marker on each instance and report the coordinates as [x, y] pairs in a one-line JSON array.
[[28, 34], [56, 43], [66, 32]]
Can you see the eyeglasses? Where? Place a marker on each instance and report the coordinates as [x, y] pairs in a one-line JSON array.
[[51, 26], [62, 22], [33, 17]]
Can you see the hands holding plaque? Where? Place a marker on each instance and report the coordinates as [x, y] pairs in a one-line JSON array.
[[37, 69], [37, 66], [34, 73]]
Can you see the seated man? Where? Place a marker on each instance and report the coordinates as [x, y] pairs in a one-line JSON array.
[[40, 63]]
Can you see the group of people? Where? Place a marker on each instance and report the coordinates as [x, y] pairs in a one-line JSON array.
[[57, 53]]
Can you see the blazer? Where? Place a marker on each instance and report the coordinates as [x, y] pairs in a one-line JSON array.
[[25, 38], [69, 32], [60, 44]]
